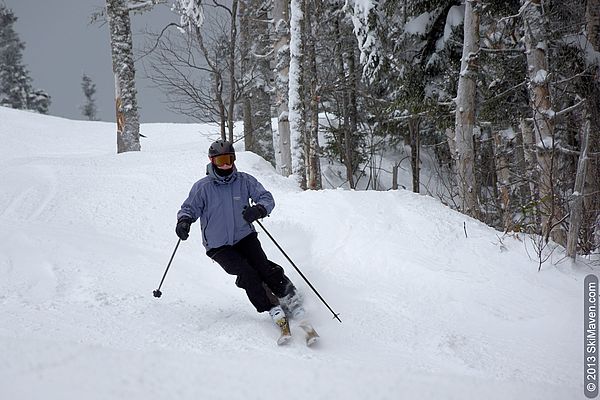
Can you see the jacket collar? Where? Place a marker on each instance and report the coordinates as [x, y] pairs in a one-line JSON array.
[[210, 171]]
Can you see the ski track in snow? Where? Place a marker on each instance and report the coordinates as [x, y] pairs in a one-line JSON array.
[[427, 313]]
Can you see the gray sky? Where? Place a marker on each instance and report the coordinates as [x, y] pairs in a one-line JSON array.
[[61, 45]]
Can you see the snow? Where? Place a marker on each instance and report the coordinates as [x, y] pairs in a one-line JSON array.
[[455, 17], [581, 41], [428, 313], [418, 25], [361, 12], [191, 13], [545, 143], [508, 134], [540, 77]]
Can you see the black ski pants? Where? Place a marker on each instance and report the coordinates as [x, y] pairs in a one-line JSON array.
[[247, 260]]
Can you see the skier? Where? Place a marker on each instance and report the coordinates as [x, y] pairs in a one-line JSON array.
[[221, 202]]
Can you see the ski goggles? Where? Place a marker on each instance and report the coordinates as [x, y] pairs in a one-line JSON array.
[[223, 159]]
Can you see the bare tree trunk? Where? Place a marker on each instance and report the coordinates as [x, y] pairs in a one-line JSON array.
[[345, 124], [592, 15], [246, 68], [576, 213], [530, 158], [232, 61], [263, 58], [591, 223], [281, 18], [465, 111], [249, 144], [523, 188], [415, 152], [314, 161], [451, 139], [352, 111], [218, 89], [128, 124], [503, 179], [540, 101], [217, 82]]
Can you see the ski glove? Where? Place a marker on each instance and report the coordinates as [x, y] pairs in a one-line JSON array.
[[183, 228], [253, 213]]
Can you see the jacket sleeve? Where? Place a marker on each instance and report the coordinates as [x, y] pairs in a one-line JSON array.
[[191, 207], [260, 195]]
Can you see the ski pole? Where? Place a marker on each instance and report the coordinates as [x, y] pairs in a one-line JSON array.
[[335, 315], [157, 292]]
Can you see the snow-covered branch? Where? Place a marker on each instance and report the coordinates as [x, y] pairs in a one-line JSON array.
[[368, 43], [142, 5], [191, 12], [569, 109]]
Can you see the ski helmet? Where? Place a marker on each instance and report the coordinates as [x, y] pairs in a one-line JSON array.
[[220, 147]]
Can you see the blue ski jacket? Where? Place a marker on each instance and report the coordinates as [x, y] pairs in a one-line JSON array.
[[219, 201]]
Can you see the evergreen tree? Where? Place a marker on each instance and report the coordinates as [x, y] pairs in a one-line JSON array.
[[89, 90], [15, 83], [39, 101], [257, 57], [14, 79]]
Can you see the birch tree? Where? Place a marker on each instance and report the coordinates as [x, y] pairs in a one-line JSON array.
[[296, 87], [281, 20], [541, 105], [592, 199], [585, 191], [465, 111], [576, 213]]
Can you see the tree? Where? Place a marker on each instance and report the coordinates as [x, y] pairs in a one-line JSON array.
[[14, 78], [511, 88], [39, 101], [257, 57], [296, 101], [465, 111], [311, 13], [281, 21], [15, 83], [89, 91], [541, 106], [209, 52], [586, 179], [121, 44]]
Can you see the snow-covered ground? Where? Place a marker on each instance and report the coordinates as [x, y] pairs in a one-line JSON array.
[[428, 313]]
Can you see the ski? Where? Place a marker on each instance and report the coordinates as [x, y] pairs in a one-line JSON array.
[[293, 308], [310, 335], [285, 333]]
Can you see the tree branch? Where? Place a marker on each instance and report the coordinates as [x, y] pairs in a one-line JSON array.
[[157, 41]]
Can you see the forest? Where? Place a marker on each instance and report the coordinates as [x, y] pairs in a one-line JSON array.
[[504, 96]]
